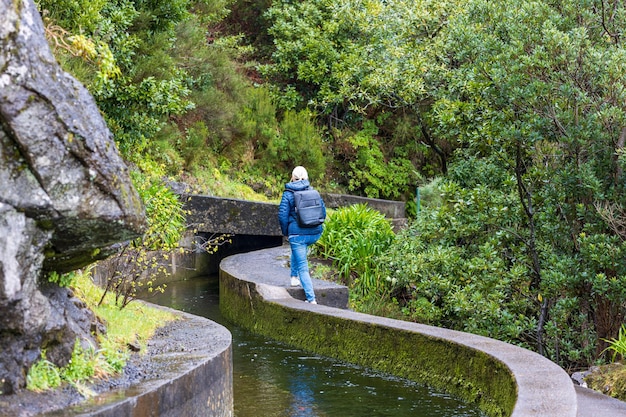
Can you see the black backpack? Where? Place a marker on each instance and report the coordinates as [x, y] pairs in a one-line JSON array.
[[309, 209]]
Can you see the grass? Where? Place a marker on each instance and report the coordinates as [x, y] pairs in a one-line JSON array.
[[134, 324], [618, 345], [215, 182]]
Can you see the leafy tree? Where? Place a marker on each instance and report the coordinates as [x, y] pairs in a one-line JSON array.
[[536, 89], [122, 63], [298, 141], [356, 62], [456, 265], [355, 54]]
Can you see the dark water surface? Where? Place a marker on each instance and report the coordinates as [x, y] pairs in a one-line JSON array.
[[272, 379]]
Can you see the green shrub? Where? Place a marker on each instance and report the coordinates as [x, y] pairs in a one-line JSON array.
[[82, 364], [258, 125], [85, 14], [192, 146], [164, 210], [43, 375], [297, 143], [618, 345], [85, 364], [452, 268], [165, 149], [353, 237], [374, 174], [137, 265], [62, 280]]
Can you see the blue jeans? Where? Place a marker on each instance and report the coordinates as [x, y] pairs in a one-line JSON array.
[[299, 262]]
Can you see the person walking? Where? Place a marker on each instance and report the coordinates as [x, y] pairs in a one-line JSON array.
[[300, 237]]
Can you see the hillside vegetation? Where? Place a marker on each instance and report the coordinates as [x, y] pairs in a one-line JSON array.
[[509, 115]]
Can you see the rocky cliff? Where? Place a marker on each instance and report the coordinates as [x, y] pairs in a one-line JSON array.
[[65, 196]]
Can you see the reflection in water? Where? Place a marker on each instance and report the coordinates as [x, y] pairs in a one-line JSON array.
[[271, 379]]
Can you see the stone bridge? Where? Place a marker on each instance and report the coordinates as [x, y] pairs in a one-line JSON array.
[[241, 217], [252, 225]]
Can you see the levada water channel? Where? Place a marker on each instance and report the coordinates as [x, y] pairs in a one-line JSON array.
[[271, 379]]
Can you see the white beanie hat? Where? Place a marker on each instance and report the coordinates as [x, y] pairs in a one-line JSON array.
[[299, 173]]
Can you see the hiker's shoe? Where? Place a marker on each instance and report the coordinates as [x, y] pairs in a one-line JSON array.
[[295, 282], [310, 302]]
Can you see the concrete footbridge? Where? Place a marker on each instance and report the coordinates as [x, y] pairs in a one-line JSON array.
[[209, 214]]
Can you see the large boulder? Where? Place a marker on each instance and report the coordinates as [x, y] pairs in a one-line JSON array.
[[65, 196]]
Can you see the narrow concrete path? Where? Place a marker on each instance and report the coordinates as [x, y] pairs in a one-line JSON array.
[[594, 404], [271, 267]]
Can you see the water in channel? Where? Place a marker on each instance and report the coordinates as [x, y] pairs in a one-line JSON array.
[[271, 379]]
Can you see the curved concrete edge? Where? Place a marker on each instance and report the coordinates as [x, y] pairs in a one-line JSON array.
[[190, 376], [503, 379]]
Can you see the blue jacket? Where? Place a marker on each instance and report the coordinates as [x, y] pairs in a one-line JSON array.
[[287, 212]]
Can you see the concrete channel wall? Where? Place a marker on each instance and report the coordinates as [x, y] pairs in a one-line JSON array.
[[504, 380], [188, 376]]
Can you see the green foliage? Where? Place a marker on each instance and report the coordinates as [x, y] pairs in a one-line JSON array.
[[164, 211], [370, 172], [353, 62], [134, 82], [114, 357], [83, 14], [136, 112], [470, 269], [512, 98], [87, 362], [161, 15], [353, 54], [83, 366], [452, 267], [298, 143], [618, 345], [136, 266], [43, 375], [590, 290], [211, 11], [353, 237], [258, 123], [231, 121], [430, 194], [62, 280], [191, 147]]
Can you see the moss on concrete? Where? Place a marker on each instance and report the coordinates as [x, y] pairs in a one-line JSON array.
[[468, 373]]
